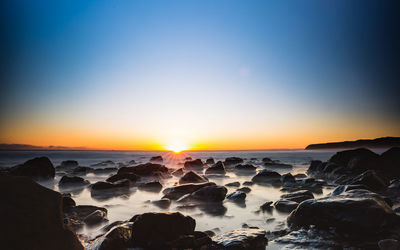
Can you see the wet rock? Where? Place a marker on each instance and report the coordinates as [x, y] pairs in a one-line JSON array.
[[163, 203], [250, 238], [195, 165], [156, 159], [111, 225], [217, 168], [80, 212], [104, 190], [37, 168], [245, 168], [286, 206], [266, 159], [68, 164], [276, 164], [67, 202], [72, 181], [233, 184], [353, 212], [96, 218], [104, 170], [370, 179], [102, 185], [237, 196], [118, 238], [267, 176], [153, 230], [210, 193], [287, 178], [343, 157], [74, 225], [344, 188], [315, 166], [210, 161], [147, 169], [248, 183], [309, 239], [24, 202], [124, 176], [300, 176], [154, 186], [298, 196], [192, 177], [131, 162], [176, 192], [389, 244], [82, 170], [178, 172], [233, 161], [103, 163], [267, 206], [244, 189]]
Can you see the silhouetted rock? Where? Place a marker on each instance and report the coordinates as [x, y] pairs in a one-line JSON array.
[[210, 161], [217, 168], [266, 159], [81, 212], [195, 165], [192, 177], [267, 176], [82, 170], [147, 169], [233, 161], [154, 186], [371, 180], [156, 158], [69, 164], [287, 178], [124, 176], [118, 238], [344, 188], [249, 238], [72, 181], [237, 196], [101, 185], [343, 157], [244, 189], [162, 203], [233, 184], [37, 168], [31, 217], [267, 206], [298, 196], [314, 166], [96, 218], [176, 192], [179, 172], [246, 168], [104, 170], [277, 164], [103, 163], [210, 193], [357, 212], [286, 206], [67, 202]]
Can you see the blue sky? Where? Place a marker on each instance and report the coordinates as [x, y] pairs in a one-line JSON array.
[[131, 74]]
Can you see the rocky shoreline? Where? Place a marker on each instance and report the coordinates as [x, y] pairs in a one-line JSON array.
[[361, 212]]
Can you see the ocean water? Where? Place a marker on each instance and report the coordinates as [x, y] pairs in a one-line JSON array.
[[226, 217]]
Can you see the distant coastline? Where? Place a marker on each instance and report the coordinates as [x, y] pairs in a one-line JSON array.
[[383, 142]]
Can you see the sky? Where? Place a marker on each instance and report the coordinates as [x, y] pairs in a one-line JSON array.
[[143, 75]]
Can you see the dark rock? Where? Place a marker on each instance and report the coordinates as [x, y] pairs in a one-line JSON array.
[[118, 238], [267, 206], [163, 203], [188, 158], [389, 244], [210, 161], [72, 181], [233, 184], [245, 168], [300, 176], [38, 168], [276, 164], [74, 225], [249, 238], [80, 212], [96, 218], [104, 170], [69, 164], [237, 196], [298, 196], [178, 172], [266, 176], [104, 190], [147, 169], [124, 176], [158, 230], [103, 163], [111, 225], [217, 168], [344, 188], [131, 162], [286, 206], [248, 183], [192, 177], [343, 157], [67, 203], [101, 185], [315, 165], [356, 212], [154, 186], [156, 158], [176, 192], [233, 161], [82, 170], [244, 189], [287, 178], [31, 216], [195, 165], [266, 159], [210, 193], [371, 180]]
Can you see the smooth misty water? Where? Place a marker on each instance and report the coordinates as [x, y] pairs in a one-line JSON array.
[[231, 215]]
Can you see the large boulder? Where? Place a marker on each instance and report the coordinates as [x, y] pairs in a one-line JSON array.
[[353, 212], [192, 177], [233, 161], [31, 217], [67, 181], [158, 230], [285, 205], [153, 186], [342, 158], [124, 176], [38, 168], [157, 158], [147, 169], [210, 193], [298, 196], [210, 161], [371, 180], [69, 164], [176, 192], [237, 196], [117, 238], [245, 168], [195, 165], [249, 238], [267, 176], [217, 168]]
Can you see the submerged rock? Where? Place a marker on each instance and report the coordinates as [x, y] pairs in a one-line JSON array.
[[37, 168], [157, 158], [245, 168], [178, 172], [118, 238], [237, 196], [147, 169], [154, 186], [96, 218], [104, 190], [286, 206], [249, 238], [176, 192], [233, 184], [210, 161], [103, 163], [163, 203], [69, 164], [102, 185], [72, 181], [267, 176], [195, 165], [192, 177], [267, 206], [124, 176], [31, 217], [233, 161], [287, 178], [244, 189], [210, 193], [217, 168]]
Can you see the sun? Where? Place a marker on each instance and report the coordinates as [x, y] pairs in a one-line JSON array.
[[177, 147]]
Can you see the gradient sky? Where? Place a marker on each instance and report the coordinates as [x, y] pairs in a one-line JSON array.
[[208, 74]]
